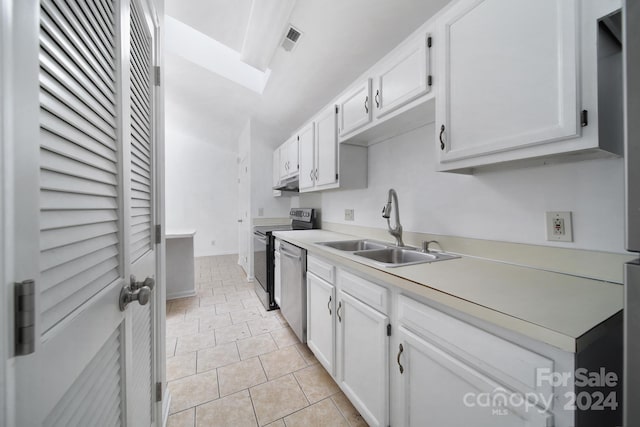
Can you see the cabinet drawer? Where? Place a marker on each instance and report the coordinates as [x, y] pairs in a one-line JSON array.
[[513, 365], [371, 294], [322, 269]]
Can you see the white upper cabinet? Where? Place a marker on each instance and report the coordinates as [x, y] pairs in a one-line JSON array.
[[326, 147], [276, 167], [307, 158], [508, 75], [288, 154], [354, 108], [403, 76]]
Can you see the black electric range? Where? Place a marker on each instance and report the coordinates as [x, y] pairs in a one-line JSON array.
[[264, 248]]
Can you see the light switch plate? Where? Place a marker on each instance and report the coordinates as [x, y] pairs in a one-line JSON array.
[[559, 227]]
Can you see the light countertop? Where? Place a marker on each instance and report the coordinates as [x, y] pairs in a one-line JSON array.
[[550, 307], [179, 234]]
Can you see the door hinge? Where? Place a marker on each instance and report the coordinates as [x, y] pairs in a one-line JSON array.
[[389, 330], [25, 317], [584, 118], [158, 234], [336, 177], [158, 392], [429, 42], [430, 80], [156, 75]]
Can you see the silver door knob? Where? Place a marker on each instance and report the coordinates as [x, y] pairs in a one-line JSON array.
[[127, 296], [136, 291], [149, 282]]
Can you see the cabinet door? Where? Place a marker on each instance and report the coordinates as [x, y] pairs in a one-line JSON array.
[[354, 109], [307, 158], [508, 75], [363, 351], [276, 167], [320, 320], [284, 160], [292, 150], [403, 78], [327, 147], [277, 283], [440, 390]]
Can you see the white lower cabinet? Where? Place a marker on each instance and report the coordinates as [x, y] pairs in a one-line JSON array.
[[438, 389], [363, 358], [320, 320], [442, 368]]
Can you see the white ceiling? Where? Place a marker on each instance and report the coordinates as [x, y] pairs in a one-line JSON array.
[[341, 39]]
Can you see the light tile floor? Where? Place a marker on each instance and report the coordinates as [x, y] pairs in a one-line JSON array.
[[231, 363]]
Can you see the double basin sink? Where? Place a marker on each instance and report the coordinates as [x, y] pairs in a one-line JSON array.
[[387, 255]]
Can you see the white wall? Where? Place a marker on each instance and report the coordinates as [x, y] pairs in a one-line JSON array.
[[263, 143], [506, 205], [201, 189]]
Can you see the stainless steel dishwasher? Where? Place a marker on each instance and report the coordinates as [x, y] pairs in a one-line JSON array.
[[293, 298]]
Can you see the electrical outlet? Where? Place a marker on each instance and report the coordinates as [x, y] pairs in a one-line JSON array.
[[348, 214], [559, 227]]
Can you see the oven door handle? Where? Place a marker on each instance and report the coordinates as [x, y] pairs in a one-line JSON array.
[[260, 238], [289, 254]]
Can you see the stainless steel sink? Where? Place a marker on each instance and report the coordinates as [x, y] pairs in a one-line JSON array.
[[386, 254], [398, 257], [355, 245]]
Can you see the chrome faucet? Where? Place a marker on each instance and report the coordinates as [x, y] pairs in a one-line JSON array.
[[386, 213]]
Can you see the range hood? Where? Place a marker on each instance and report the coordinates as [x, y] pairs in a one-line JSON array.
[[290, 184]]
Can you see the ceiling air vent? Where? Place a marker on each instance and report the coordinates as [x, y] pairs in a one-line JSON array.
[[291, 38]]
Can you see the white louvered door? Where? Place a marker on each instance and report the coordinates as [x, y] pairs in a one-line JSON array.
[[93, 363], [142, 234]]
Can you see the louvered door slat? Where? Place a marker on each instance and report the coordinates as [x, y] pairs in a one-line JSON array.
[[61, 218], [64, 147], [137, 28], [140, 186], [101, 15], [57, 302], [57, 256], [100, 27], [141, 219], [67, 37], [54, 106], [87, 385], [72, 103], [96, 104], [61, 237], [74, 65], [53, 162], [60, 273], [59, 200], [139, 126], [52, 124], [78, 25], [98, 388], [52, 181]]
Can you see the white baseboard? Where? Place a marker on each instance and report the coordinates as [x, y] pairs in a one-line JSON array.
[[181, 294]]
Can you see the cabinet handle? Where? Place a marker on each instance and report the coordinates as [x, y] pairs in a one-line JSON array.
[[329, 305], [366, 104], [316, 174], [401, 349], [441, 139], [311, 174], [338, 311], [377, 98]]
